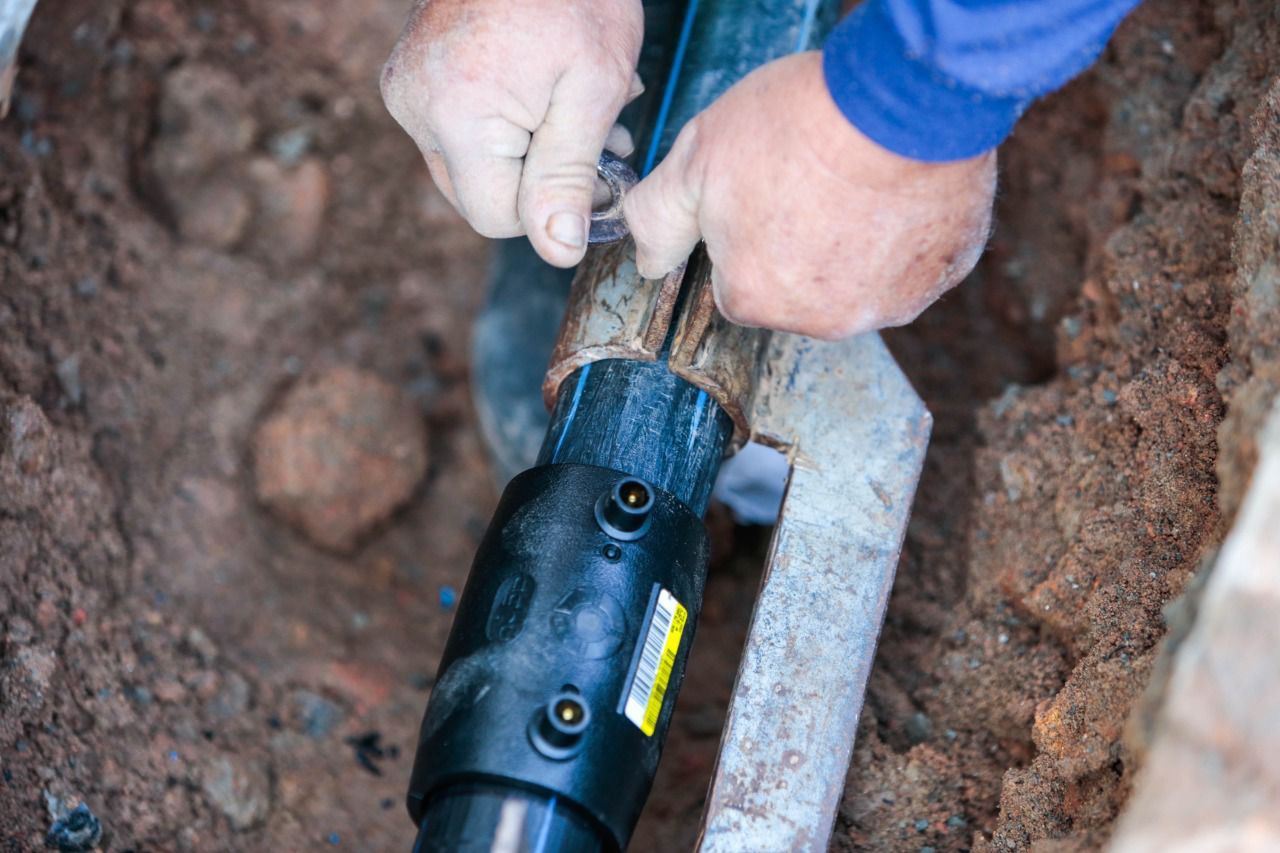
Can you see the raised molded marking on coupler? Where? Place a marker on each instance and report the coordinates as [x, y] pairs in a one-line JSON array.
[[510, 608], [589, 622]]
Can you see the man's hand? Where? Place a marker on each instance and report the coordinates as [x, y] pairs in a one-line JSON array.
[[811, 227], [511, 104]]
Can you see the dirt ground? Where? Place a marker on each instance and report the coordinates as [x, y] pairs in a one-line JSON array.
[[208, 223]]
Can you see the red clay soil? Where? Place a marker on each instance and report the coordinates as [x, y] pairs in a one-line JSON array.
[[204, 209], [1071, 490]]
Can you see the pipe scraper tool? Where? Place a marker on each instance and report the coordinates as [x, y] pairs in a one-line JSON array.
[[559, 679]]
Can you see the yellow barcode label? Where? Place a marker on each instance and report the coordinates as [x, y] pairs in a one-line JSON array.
[[658, 656]]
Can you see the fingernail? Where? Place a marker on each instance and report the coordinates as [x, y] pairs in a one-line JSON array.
[[568, 229]]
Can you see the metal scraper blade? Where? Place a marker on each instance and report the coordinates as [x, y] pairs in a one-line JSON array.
[[855, 433]]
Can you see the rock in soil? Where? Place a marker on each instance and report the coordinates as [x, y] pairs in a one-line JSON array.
[[339, 454], [291, 205], [240, 789], [74, 830], [204, 124]]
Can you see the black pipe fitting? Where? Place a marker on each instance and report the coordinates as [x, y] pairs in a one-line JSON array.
[[560, 675]]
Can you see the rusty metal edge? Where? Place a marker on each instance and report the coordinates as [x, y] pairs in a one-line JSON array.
[[719, 357], [597, 327]]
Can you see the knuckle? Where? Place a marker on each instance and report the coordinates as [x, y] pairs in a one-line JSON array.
[[594, 88], [560, 179], [499, 138], [904, 315], [689, 137], [685, 160], [407, 89], [902, 310], [387, 80], [833, 324], [733, 311], [735, 300], [393, 87], [824, 329]]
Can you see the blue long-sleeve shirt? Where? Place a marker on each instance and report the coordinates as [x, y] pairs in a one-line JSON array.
[[942, 80]]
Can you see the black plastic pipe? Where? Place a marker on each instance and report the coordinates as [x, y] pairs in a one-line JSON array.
[[639, 418]]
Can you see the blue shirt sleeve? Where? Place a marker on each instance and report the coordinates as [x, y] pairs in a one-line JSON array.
[[941, 80]]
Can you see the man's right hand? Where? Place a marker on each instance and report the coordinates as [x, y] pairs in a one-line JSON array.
[[511, 105]]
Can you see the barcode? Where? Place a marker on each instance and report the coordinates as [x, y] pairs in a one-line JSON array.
[[657, 657]]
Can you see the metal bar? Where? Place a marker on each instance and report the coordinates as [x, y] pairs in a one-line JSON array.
[[856, 458]]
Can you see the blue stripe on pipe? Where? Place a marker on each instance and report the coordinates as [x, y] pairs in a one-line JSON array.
[[697, 417], [806, 25], [669, 95], [573, 410], [546, 827]]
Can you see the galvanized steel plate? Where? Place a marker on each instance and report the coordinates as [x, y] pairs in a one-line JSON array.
[[856, 434]]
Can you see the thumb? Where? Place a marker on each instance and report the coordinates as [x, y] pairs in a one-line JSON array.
[[559, 174], [662, 210]]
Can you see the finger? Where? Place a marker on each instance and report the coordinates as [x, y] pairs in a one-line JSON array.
[[662, 210], [619, 141], [560, 169], [484, 163], [440, 174]]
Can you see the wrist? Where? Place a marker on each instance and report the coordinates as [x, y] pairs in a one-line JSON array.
[[846, 152], [896, 99]]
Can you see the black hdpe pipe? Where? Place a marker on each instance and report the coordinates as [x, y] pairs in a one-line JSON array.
[[557, 685]]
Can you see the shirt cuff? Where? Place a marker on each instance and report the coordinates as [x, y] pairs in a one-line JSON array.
[[902, 103]]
